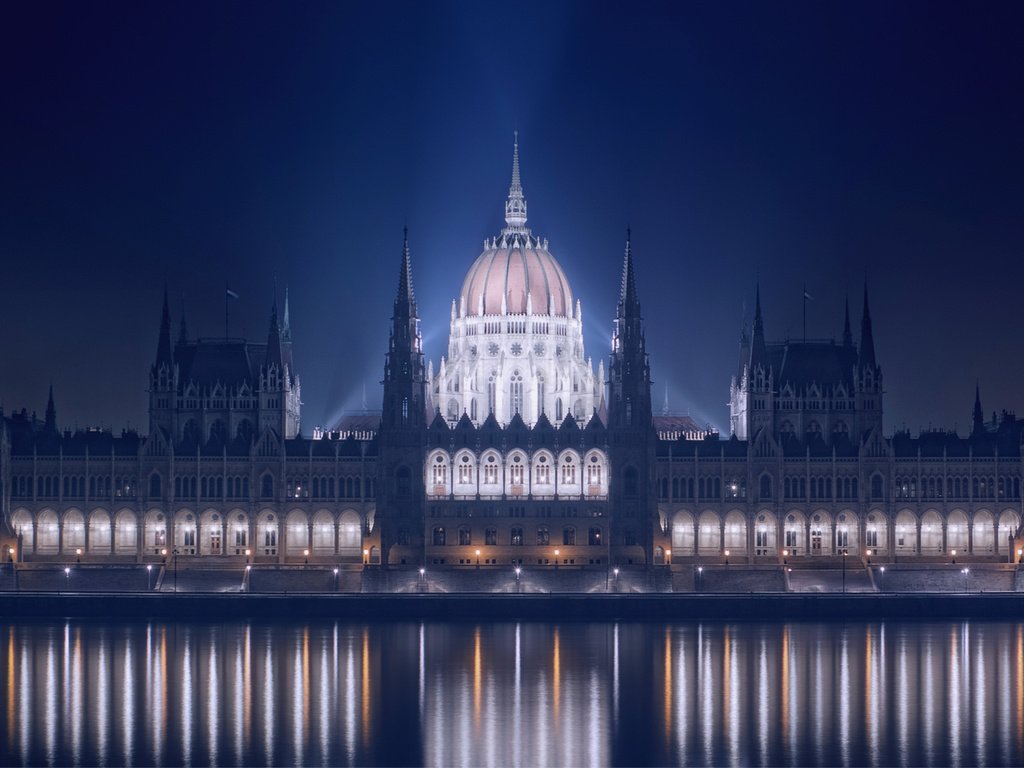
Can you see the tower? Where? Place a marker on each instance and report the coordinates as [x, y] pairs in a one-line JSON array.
[[631, 427], [868, 377], [751, 393], [163, 378], [403, 429]]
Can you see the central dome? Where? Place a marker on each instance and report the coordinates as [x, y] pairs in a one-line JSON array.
[[515, 275]]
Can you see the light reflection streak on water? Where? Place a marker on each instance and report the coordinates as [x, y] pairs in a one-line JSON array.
[[728, 694], [129, 684]]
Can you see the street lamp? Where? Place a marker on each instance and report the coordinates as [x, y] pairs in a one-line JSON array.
[[518, 571], [336, 579], [78, 554], [668, 557], [844, 570], [247, 553], [305, 554], [366, 557], [868, 553], [785, 556], [953, 552], [175, 553], [727, 557], [1020, 555], [965, 571], [700, 576], [478, 559], [149, 577], [556, 559]]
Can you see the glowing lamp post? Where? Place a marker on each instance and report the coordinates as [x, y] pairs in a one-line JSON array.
[[727, 557], [366, 557], [668, 557], [965, 571], [1020, 555], [478, 559], [785, 557], [700, 576], [149, 577], [556, 559], [336, 579], [868, 553], [247, 553], [953, 553], [78, 555], [518, 571]]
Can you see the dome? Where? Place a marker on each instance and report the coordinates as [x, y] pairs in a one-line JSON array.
[[509, 271]]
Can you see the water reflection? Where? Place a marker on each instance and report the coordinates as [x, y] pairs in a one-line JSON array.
[[513, 694]]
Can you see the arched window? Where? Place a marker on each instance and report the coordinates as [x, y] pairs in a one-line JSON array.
[[766, 487], [439, 537], [516, 537], [492, 393], [491, 536], [558, 409], [569, 536], [543, 536], [516, 393], [594, 537], [472, 409], [876, 487], [465, 536], [155, 491], [267, 487]]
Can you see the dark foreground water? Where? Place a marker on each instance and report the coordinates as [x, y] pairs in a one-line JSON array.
[[512, 694]]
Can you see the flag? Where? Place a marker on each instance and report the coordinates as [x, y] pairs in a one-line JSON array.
[[232, 294], [806, 295]]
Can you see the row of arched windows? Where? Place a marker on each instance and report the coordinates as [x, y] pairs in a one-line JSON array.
[[516, 536]]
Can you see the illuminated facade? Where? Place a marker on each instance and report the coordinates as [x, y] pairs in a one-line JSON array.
[[513, 452]]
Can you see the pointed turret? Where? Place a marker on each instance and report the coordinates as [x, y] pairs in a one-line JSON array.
[[978, 415], [867, 339], [847, 333], [629, 304], [274, 354], [50, 425], [286, 326], [405, 301], [515, 205], [163, 347], [758, 347]]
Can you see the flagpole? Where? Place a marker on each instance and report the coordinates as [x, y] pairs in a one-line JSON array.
[[805, 312], [227, 298]]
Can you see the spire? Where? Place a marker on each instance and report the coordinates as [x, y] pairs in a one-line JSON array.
[[977, 417], [405, 301], [629, 305], [867, 339], [847, 333], [664, 408], [515, 206], [51, 414], [758, 348], [163, 347], [286, 326], [274, 356]]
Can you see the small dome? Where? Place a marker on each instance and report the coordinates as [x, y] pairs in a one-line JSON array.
[[514, 268]]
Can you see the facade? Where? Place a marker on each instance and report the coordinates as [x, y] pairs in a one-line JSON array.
[[513, 452]]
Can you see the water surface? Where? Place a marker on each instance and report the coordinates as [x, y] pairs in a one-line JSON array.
[[512, 694]]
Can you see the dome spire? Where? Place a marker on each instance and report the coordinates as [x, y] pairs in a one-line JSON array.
[[515, 206]]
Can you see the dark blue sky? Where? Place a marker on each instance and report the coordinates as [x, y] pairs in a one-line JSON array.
[[799, 142]]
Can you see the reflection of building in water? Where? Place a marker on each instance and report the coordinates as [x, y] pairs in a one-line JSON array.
[[513, 694], [514, 449]]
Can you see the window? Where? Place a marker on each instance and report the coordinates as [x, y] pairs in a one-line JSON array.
[[516, 393], [267, 487], [491, 471], [569, 536], [594, 537], [569, 471], [465, 470], [543, 471], [440, 472], [761, 538], [465, 537], [438, 537], [871, 537], [790, 538], [766, 486], [403, 537], [876, 487], [516, 471], [154, 486], [491, 537], [629, 537], [516, 537], [543, 536], [594, 471]]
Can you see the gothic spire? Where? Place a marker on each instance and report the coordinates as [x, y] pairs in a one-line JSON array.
[[51, 414], [163, 347], [758, 347], [286, 326], [274, 355], [629, 304], [847, 333], [405, 301], [867, 339], [978, 416], [515, 205]]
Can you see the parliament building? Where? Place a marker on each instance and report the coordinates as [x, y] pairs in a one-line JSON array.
[[512, 451]]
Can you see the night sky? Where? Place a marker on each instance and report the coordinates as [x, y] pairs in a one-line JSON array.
[[795, 143]]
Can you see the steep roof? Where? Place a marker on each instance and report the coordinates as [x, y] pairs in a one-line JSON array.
[[801, 364]]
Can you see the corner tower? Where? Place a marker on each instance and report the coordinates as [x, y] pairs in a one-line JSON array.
[[631, 428], [403, 429]]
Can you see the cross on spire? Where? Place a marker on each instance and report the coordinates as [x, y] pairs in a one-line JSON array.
[[515, 206]]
